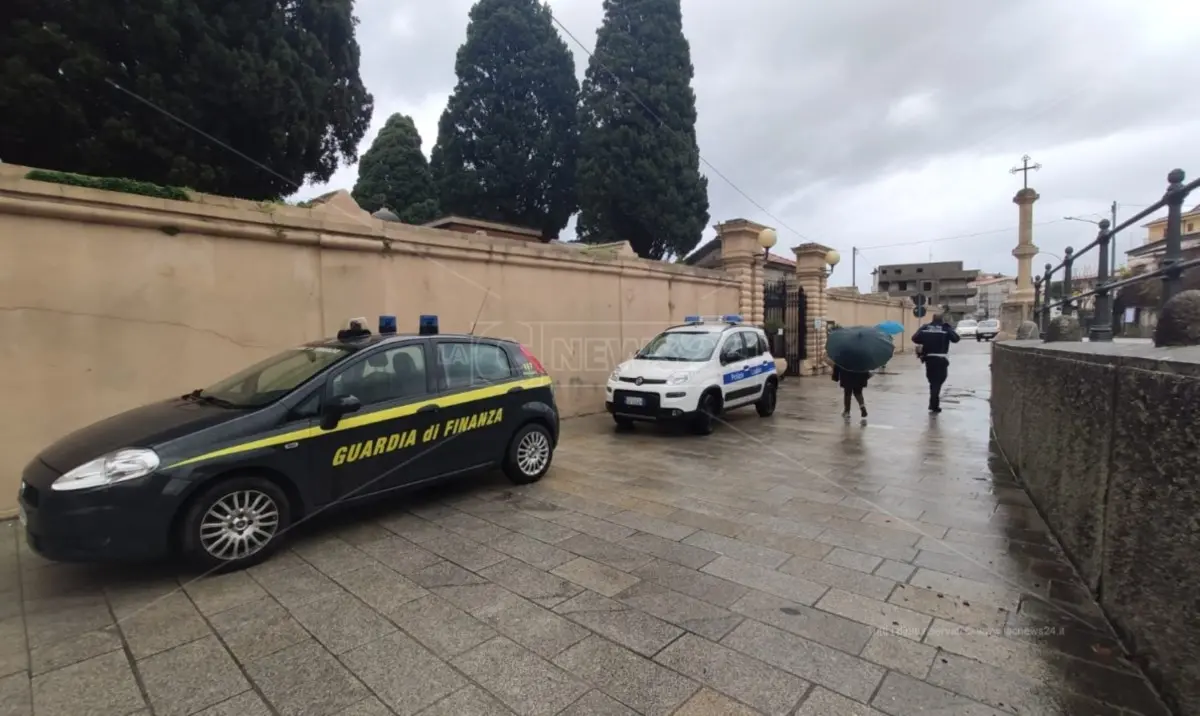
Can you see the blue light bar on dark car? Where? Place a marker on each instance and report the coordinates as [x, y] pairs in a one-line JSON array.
[[428, 326], [387, 324]]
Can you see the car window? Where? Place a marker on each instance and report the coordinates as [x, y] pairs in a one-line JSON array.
[[275, 377], [465, 365], [681, 346], [753, 350], [734, 348], [763, 348], [390, 374]]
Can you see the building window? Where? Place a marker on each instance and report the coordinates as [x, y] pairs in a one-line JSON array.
[[920, 270], [902, 286], [882, 271], [883, 285], [927, 285], [1189, 227]]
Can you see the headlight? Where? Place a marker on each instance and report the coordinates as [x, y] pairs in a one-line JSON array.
[[110, 469], [616, 374], [678, 378]]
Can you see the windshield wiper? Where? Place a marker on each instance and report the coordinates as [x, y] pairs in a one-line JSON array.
[[199, 396]]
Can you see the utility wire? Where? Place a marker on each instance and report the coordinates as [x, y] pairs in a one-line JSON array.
[[956, 236]]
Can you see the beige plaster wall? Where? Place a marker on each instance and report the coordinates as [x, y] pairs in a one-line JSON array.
[[850, 309], [109, 301]]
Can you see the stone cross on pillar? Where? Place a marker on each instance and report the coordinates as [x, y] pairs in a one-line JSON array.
[[1025, 250], [812, 275], [742, 257]]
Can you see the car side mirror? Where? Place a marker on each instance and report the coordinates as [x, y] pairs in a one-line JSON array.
[[729, 357], [337, 409]]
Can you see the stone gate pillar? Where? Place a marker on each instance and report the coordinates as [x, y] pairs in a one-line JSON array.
[[811, 275], [741, 256]]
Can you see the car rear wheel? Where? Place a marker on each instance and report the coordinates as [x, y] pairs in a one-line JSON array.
[[766, 404], [529, 454], [706, 415], [235, 523]]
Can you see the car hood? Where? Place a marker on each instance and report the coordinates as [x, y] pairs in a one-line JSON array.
[[147, 426], [655, 369]]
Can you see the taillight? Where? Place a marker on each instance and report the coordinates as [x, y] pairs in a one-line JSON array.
[[537, 364]]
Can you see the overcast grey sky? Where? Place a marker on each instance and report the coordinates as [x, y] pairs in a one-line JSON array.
[[882, 122]]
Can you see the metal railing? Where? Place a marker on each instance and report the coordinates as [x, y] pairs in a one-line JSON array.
[[1170, 270]]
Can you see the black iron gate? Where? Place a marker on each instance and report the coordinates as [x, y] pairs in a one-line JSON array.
[[784, 307]]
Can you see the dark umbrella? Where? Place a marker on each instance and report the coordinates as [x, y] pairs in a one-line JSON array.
[[859, 349]]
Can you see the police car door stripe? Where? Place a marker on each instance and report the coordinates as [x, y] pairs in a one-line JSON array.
[[379, 416], [746, 373]]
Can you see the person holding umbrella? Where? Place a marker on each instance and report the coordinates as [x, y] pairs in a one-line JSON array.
[[934, 339], [852, 383], [854, 353]]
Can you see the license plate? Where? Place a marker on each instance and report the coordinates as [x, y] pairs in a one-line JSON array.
[[634, 400]]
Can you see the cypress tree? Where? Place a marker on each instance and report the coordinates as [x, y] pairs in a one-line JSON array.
[[639, 169], [109, 89], [507, 141], [393, 173]]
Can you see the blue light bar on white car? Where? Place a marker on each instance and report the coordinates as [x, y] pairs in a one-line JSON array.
[[727, 318]]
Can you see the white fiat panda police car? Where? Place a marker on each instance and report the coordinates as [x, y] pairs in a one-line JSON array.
[[693, 373]]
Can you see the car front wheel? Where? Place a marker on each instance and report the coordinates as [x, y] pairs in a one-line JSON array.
[[529, 454], [235, 523], [766, 404], [706, 415]]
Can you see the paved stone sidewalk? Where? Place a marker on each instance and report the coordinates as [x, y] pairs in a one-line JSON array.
[[797, 565]]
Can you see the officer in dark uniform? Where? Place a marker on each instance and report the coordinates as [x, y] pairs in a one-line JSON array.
[[935, 338]]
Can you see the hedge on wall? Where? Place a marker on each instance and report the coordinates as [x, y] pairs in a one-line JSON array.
[[127, 186]]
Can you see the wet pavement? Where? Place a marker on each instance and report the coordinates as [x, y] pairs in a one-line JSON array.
[[793, 565]]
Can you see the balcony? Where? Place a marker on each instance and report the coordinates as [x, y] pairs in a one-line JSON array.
[[957, 292]]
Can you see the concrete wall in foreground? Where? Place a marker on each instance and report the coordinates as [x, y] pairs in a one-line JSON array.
[[109, 301], [1107, 439]]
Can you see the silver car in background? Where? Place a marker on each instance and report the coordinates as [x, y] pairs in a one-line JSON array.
[[986, 330]]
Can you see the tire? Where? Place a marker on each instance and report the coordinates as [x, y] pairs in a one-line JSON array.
[[212, 521], [703, 421], [766, 404], [978, 339], [529, 454], [623, 423]]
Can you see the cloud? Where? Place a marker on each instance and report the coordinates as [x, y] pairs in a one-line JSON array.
[[875, 122]]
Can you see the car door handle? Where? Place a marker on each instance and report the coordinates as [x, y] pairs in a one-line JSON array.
[[427, 409]]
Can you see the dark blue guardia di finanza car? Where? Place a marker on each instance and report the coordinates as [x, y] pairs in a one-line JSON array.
[[220, 473]]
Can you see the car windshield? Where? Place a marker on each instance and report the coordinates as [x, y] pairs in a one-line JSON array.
[[273, 378], [691, 346], [988, 324], [966, 323]]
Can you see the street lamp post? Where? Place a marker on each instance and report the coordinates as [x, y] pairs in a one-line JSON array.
[[766, 239], [832, 257]]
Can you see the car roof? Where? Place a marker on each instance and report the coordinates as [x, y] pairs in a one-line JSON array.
[[706, 327], [374, 339]]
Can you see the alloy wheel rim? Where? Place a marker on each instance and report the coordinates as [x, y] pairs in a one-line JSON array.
[[533, 452], [239, 525]]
